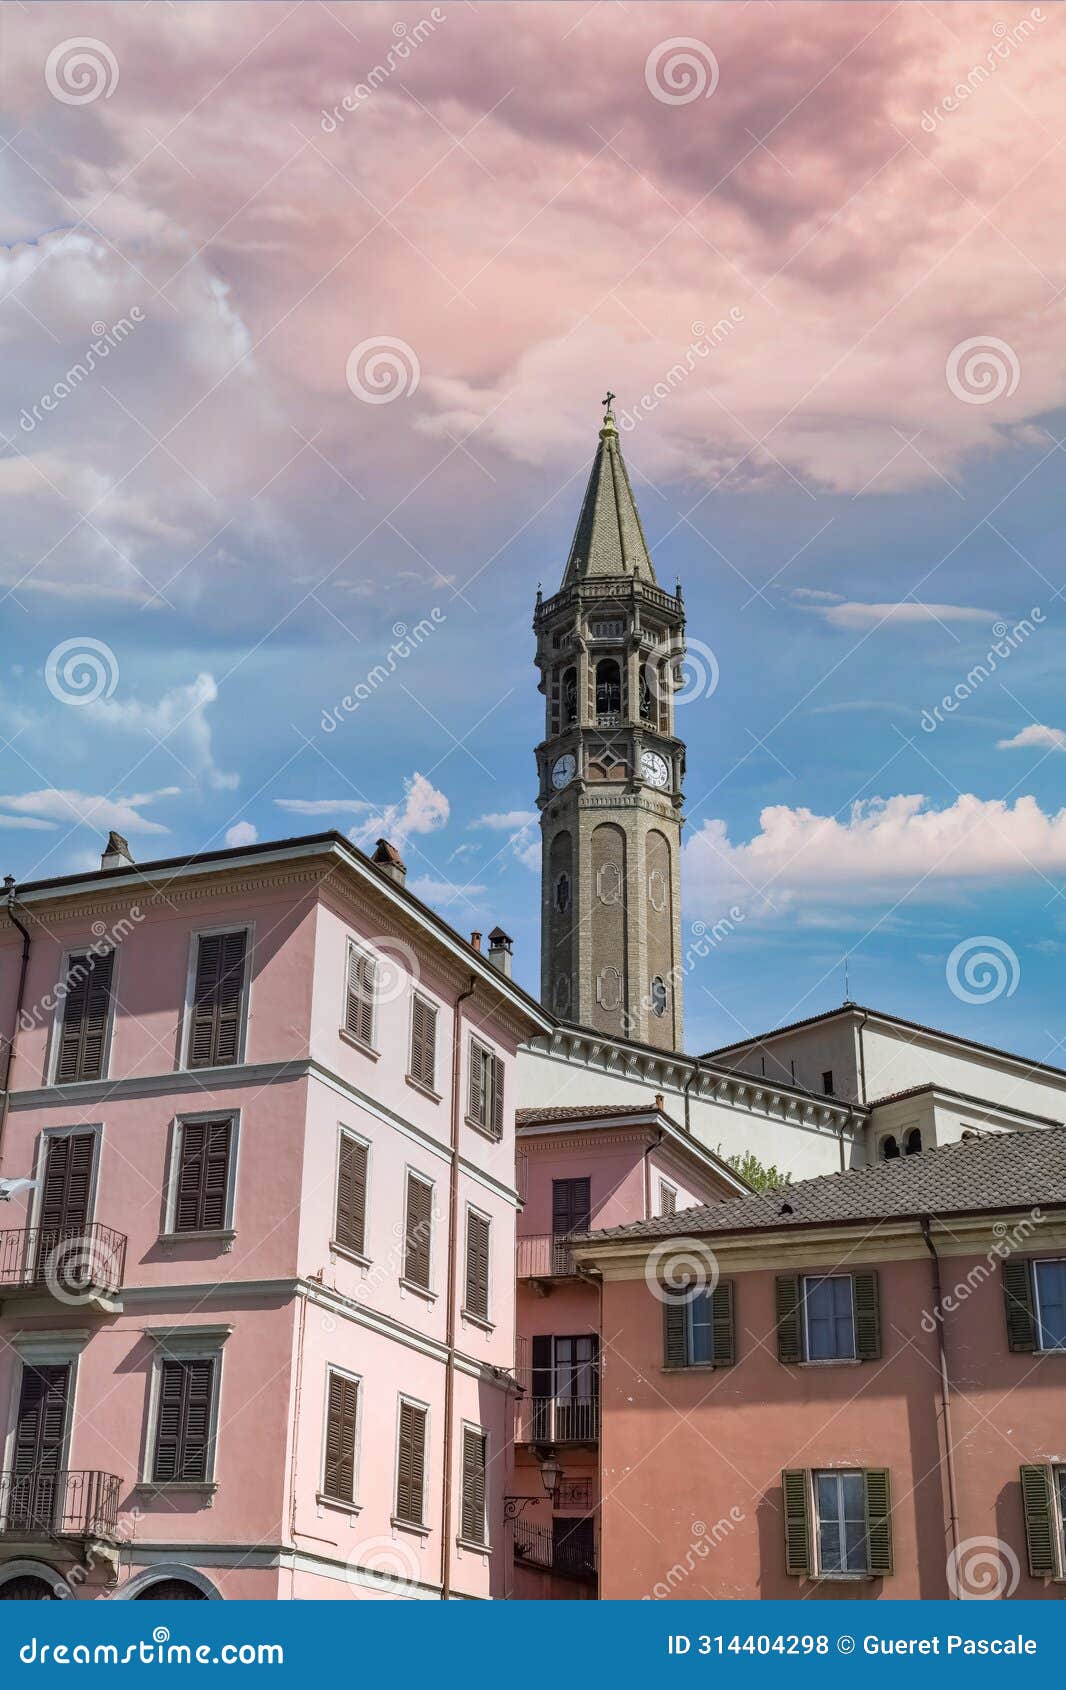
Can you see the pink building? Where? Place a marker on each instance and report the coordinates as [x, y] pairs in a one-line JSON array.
[[258, 1312], [580, 1167], [859, 1390]]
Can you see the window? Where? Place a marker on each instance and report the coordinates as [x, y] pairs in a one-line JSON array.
[[889, 1148], [81, 1046], [570, 697], [827, 1082], [698, 1328], [571, 1206], [476, 1300], [360, 995], [411, 1463], [486, 1090], [202, 1175], [1049, 1279], [349, 1222], [423, 1069], [828, 1317], [1043, 1488], [472, 1508], [830, 1322], [418, 1231], [217, 1012], [667, 1199], [342, 1426], [181, 1451], [838, 1522], [658, 995], [608, 687], [841, 1505], [912, 1144]]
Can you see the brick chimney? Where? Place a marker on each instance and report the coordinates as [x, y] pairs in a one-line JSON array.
[[387, 859], [500, 944], [475, 940], [116, 853]]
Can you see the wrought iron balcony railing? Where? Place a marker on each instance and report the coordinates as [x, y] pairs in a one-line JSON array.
[[74, 1263], [562, 1419], [544, 1255], [539, 1546], [65, 1504]]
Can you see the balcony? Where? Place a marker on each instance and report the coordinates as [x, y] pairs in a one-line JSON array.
[[544, 1255], [75, 1264], [560, 1419], [539, 1546], [51, 1505]]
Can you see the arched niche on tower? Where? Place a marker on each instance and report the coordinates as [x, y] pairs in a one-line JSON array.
[[560, 917], [608, 920], [659, 919]]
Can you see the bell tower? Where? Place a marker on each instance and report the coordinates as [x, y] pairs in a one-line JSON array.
[[609, 646]]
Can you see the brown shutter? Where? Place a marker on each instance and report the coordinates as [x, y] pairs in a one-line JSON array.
[[424, 1042], [477, 1265], [68, 1172], [183, 1423], [795, 1490], [342, 1405], [350, 1227], [867, 1315], [1039, 1508], [667, 1200], [418, 1226], [83, 1032], [203, 1175], [473, 1494], [478, 1079], [878, 1492], [361, 993], [675, 1342], [40, 1420], [218, 993], [1018, 1300], [495, 1090], [411, 1464], [723, 1326], [788, 1304]]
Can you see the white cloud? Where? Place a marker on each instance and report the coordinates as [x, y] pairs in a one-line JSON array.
[[242, 833], [900, 846], [424, 809], [324, 806], [444, 892], [504, 821], [51, 807], [179, 720], [851, 614], [816, 595], [1035, 734]]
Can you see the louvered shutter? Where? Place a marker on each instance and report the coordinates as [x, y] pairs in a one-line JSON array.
[[362, 990], [65, 1188], [183, 1423], [1039, 1509], [41, 1420], [795, 1489], [723, 1326], [424, 1042], [350, 1229], [675, 1339], [477, 1265], [411, 1464], [667, 1200], [1018, 1301], [343, 1402], [788, 1306], [478, 1085], [218, 993], [541, 1387], [473, 1495], [878, 1493], [866, 1293], [494, 1080], [168, 1422], [83, 1031], [417, 1229], [203, 1176], [571, 1206]]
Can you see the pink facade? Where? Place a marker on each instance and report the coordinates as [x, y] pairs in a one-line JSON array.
[[296, 1348]]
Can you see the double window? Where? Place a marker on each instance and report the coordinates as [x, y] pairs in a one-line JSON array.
[[83, 1028], [411, 1463], [349, 1220], [360, 998], [339, 1462], [828, 1317], [838, 1522], [202, 1174], [473, 1523], [418, 1231], [478, 1234], [485, 1109], [422, 1068], [186, 1388], [1035, 1296], [215, 1036]]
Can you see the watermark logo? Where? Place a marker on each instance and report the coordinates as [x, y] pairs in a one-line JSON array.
[[79, 1268], [1006, 641], [395, 968], [1006, 38], [679, 1269], [982, 369], [388, 1557], [681, 70], [704, 1539], [686, 674], [382, 369], [407, 38], [703, 343], [81, 670], [106, 337], [406, 642], [982, 969], [80, 70], [983, 1569]]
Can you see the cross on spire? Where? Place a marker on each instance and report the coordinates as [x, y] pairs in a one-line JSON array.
[[609, 401]]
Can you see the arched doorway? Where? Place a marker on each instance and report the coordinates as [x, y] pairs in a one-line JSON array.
[[26, 1587], [169, 1582], [170, 1590]]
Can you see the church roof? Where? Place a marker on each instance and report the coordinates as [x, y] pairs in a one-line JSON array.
[[609, 539]]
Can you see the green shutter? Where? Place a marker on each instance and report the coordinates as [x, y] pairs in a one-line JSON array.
[[1039, 1519], [675, 1347], [1018, 1298], [867, 1315], [723, 1328], [795, 1490], [789, 1311], [878, 1519]]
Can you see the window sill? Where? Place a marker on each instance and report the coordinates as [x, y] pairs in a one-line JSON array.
[[844, 1578], [338, 1502], [173, 1487], [421, 1086], [831, 1361], [210, 1235], [422, 1291], [349, 1254], [478, 1320], [695, 1367], [474, 1548], [476, 1127], [409, 1526], [357, 1044]]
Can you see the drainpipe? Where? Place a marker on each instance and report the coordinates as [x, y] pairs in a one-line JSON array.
[[9, 1056], [449, 1373], [695, 1075], [862, 1058], [945, 1393]]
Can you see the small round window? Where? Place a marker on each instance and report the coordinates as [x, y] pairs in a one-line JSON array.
[[658, 995]]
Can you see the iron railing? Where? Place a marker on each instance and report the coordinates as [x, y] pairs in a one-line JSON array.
[[538, 1546], [561, 1419], [64, 1504], [544, 1255], [73, 1262]]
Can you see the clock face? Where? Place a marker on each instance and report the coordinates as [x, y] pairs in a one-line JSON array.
[[564, 769], [654, 769]]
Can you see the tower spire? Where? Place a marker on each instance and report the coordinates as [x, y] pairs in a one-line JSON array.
[[609, 538]]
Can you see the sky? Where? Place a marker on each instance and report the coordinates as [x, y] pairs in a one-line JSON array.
[[307, 312]]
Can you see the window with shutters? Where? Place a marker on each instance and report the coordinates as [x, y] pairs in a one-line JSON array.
[[1043, 1491], [838, 1522], [340, 1458], [360, 997], [829, 1318], [667, 1199], [1049, 1289], [472, 1520], [201, 1190], [216, 1016], [411, 1463], [418, 1231], [699, 1328], [423, 1066], [182, 1446], [84, 1024], [486, 1091], [476, 1298], [353, 1167]]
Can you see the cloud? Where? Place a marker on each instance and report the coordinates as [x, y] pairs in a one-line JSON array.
[[51, 807], [242, 833], [424, 809], [817, 595], [895, 847], [1035, 734], [178, 720], [505, 821], [324, 806], [853, 615], [447, 893]]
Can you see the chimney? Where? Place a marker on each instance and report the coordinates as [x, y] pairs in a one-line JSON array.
[[388, 860], [116, 853], [475, 940], [660, 1103], [500, 950]]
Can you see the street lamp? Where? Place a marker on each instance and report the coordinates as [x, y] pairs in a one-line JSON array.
[[550, 1477]]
